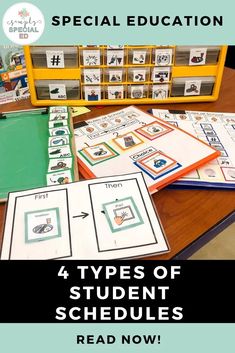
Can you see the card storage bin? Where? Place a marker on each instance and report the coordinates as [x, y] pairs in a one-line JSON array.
[[182, 54], [128, 74], [191, 86], [39, 56], [58, 89]]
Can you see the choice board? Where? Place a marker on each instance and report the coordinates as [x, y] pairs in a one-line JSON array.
[[130, 140]]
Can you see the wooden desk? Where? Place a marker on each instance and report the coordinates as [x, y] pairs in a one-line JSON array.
[[190, 217]]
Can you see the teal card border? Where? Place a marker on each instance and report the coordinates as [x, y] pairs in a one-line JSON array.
[[104, 160], [42, 239], [104, 205]]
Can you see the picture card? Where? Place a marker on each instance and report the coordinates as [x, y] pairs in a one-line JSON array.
[[55, 59], [58, 141], [155, 176], [139, 57], [92, 93], [197, 56], [160, 91], [137, 91], [59, 109], [92, 76], [139, 75], [115, 57], [59, 131], [98, 153], [163, 57], [91, 57], [103, 124], [115, 92], [156, 162], [57, 91], [58, 164], [154, 130], [58, 116], [127, 141], [57, 123], [59, 178], [192, 88], [42, 225], [160, 74], [60, 151], [122, 214], [115, 75]]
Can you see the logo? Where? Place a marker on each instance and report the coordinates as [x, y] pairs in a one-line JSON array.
[[23, 23]]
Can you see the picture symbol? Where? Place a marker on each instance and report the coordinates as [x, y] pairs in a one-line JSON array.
[[55, 91], [192, 88], [43, 228], [159, 163], [197, 59], [55, 60], [123, 214], [128, 140], [101, 152]]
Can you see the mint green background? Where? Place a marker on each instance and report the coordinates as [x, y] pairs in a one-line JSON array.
[[133, 35], [61, 338], [23, 152]]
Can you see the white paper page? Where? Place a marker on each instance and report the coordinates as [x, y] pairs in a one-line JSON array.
[[105, 218]]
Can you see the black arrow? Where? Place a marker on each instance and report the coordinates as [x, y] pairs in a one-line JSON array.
[[83, 215]]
